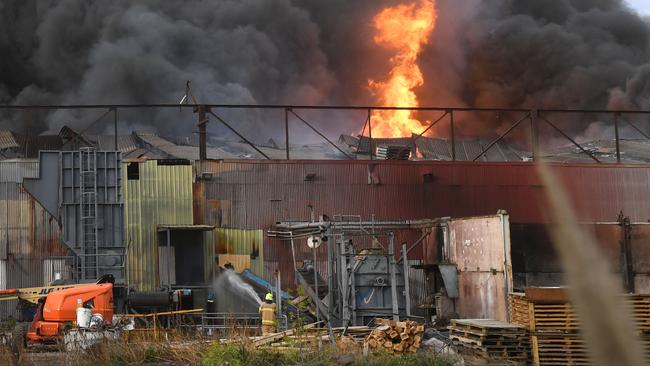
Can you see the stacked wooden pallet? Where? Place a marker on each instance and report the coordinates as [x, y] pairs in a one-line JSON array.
[[492, 340], [395, 337], [555, 329]]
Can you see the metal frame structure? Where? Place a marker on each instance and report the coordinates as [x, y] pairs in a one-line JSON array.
[[536, 117], [343, 263]]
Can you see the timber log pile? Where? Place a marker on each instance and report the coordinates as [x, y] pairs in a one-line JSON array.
[[397, 337]]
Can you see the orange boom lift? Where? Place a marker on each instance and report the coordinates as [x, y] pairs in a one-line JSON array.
[[57, 306]]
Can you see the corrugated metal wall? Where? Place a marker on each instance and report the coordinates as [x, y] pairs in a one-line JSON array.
[[243, 242], [29, 235], [255, 194], [162, 195]]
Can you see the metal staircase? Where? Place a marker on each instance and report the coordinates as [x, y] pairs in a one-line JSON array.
[[89, 268]]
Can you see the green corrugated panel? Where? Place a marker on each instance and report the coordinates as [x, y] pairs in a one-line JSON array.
[[246, 242], [161, 196]]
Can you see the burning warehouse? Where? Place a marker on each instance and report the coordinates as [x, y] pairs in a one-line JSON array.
[[368, 172]]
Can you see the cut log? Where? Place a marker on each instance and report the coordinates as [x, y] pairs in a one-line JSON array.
[[383, 328], [393, 334], [404, 336]]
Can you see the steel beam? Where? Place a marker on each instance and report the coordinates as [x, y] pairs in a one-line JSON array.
[[569, 138], [286, 130], [393, 277], [618, 146], [407, 293], [431, 125], [316, 107], [238, 134], [453, 135], [514, 125], [115, 126], [534, 138], [321, 135], [203, 133], [372, 149], [636, 128]]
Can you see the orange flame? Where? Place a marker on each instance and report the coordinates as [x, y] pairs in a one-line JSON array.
[[404, 29]]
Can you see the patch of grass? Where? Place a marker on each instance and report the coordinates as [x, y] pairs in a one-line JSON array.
[[240, 355], [176, 351], [424, 359]]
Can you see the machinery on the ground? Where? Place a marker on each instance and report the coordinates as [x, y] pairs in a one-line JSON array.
[[57, 307]]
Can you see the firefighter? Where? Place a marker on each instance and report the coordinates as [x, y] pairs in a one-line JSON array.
[[267, 310]]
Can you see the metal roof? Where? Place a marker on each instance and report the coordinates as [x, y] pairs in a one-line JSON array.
[[125, 143], [632, 152], [8, 140], [467, 150]]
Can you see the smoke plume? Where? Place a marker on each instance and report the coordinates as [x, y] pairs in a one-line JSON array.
[[503, 53]]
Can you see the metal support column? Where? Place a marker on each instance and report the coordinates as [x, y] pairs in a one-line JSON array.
[[115, 126], [618, 146], [343, 267], [372, 150], [278, 294], [286, 130], [331, 276], [203, 121], [407, 290], [453, 135], [353, 293], [626, 249], [316, 288], [393, 277], [534, 141], [169, 259]]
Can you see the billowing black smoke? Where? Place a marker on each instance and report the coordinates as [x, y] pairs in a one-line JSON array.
[[505, 53]]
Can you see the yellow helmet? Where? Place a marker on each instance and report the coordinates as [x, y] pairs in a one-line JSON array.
[[269, 297]]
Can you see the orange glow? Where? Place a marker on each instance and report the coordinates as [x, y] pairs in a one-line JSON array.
[[405, 29]]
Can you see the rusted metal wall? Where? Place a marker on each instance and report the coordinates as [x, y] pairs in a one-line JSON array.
[[255, 194], [162, 195], [29, 235], [480, 248], [536, 263], [640, 252], [242, 242]]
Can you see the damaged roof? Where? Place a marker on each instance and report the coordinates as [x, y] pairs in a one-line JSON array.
[[140, 145], [439, 149], [632, 152]]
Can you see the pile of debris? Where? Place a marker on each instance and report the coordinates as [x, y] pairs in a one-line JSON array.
[[491, 340], [395, 337]]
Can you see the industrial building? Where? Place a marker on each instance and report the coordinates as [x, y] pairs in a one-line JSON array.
[[156, 215]]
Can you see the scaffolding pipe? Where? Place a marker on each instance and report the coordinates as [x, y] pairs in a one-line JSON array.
[[407, 292], [393, 277]]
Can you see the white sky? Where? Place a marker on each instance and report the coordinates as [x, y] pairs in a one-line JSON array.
[[643, 6]]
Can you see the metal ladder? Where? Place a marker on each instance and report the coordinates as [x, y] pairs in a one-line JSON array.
[[89, 268]]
